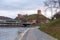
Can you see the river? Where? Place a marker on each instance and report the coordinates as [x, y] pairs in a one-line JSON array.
[[8, 33]]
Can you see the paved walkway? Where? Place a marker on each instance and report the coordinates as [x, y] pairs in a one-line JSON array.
[[35, 34]]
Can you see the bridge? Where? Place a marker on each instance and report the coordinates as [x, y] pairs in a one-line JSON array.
[[15, 24]]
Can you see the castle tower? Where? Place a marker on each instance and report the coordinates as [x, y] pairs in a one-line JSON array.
[[39, 12]]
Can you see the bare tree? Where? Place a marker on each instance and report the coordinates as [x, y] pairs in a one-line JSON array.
[[59, 2], [52, 4]]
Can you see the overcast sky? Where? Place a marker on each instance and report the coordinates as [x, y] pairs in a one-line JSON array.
[[11, 8]]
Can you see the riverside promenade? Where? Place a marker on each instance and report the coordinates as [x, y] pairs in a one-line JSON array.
[[23, 33], [35, 34]]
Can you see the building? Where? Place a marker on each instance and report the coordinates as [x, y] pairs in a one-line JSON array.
[[20, 15], [39, 12], [41, 18]]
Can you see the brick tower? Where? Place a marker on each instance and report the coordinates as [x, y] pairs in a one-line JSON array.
[[39, 12]]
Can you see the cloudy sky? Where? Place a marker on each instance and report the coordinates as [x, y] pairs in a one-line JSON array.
[[11, 8]]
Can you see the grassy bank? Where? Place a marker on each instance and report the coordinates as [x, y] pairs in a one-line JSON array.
[[52, 28]]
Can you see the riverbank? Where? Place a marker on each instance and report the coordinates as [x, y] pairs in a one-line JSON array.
[[52, 28]]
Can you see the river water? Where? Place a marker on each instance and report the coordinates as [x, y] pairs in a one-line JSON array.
[[8, 33]]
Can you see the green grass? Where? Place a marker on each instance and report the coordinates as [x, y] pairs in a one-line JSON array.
[[52, 28]]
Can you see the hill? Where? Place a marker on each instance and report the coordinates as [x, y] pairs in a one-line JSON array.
[[4, 18]]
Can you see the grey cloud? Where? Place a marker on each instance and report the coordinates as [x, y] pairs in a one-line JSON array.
[[19, 5]]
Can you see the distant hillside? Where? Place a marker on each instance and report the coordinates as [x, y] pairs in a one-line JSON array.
[[34, 17], [4, 18]]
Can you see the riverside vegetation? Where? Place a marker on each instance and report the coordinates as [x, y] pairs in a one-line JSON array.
[[52, 28]]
